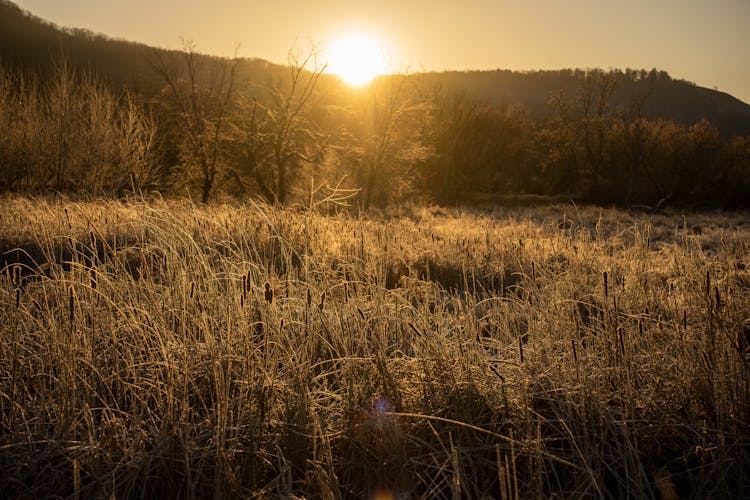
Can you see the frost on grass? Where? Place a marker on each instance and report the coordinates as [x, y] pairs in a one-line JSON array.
[[166, 349]]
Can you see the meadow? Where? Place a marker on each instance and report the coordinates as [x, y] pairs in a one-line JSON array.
[[159, 348]]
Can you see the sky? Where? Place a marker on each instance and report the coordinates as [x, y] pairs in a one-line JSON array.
[[703, 41]]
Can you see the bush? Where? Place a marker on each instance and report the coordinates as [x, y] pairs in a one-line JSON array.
[[72, 134]]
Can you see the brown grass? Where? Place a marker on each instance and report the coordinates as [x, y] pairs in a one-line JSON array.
[[423, 353]]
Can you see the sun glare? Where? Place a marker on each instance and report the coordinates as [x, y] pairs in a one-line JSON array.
[[356, 59]]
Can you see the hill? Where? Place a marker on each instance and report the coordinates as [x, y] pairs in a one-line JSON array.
[[30, 41], [662, 96]]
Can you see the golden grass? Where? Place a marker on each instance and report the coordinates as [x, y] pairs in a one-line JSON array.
[[423, 353]]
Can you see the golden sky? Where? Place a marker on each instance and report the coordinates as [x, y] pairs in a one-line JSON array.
[[705, 41]]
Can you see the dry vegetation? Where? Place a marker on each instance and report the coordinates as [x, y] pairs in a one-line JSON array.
[[163, 349]]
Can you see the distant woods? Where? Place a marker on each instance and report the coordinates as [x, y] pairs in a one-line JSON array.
[[212, 129]]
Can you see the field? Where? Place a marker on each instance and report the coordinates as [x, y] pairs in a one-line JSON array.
[[164, 349]]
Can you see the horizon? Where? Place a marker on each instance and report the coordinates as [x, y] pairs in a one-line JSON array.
[[690, 41]]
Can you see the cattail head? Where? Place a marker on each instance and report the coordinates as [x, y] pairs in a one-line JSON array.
[[606, 284], [71, 305], [16, 273], [322, 300], [268, 294]]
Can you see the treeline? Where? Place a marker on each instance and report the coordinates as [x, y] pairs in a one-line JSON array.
[[298, 135]]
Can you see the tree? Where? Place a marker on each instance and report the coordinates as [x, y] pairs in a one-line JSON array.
[[579, 132], [594, 92], [199, 92], [389, 139], [478, 146], [273, 135]]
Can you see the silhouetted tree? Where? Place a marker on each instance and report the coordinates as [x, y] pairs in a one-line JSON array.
[[199, 93], [274, 135], [389, 141]]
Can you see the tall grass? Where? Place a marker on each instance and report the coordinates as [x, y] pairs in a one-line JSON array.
[[424, 353]]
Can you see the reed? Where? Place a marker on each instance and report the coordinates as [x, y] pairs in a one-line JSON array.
[[166, 349]]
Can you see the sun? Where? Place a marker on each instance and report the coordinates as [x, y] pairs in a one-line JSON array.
[[356, 59]]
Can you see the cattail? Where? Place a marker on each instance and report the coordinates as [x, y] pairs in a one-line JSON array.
[[322, 300], [268, 294], [71, 304], [575, 352], [309, 298], [606, 285], [708, 283]]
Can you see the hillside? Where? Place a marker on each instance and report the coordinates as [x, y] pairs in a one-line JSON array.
[[663, 97], [29, 41]]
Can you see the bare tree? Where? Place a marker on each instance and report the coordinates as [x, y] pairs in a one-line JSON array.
[[594, 92], [390, 141], [199, 91], [274, 135]]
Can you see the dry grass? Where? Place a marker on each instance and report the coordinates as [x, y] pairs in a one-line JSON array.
[[424, 353]]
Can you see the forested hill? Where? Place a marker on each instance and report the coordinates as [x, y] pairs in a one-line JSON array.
[[31, 42], [654, 94]]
